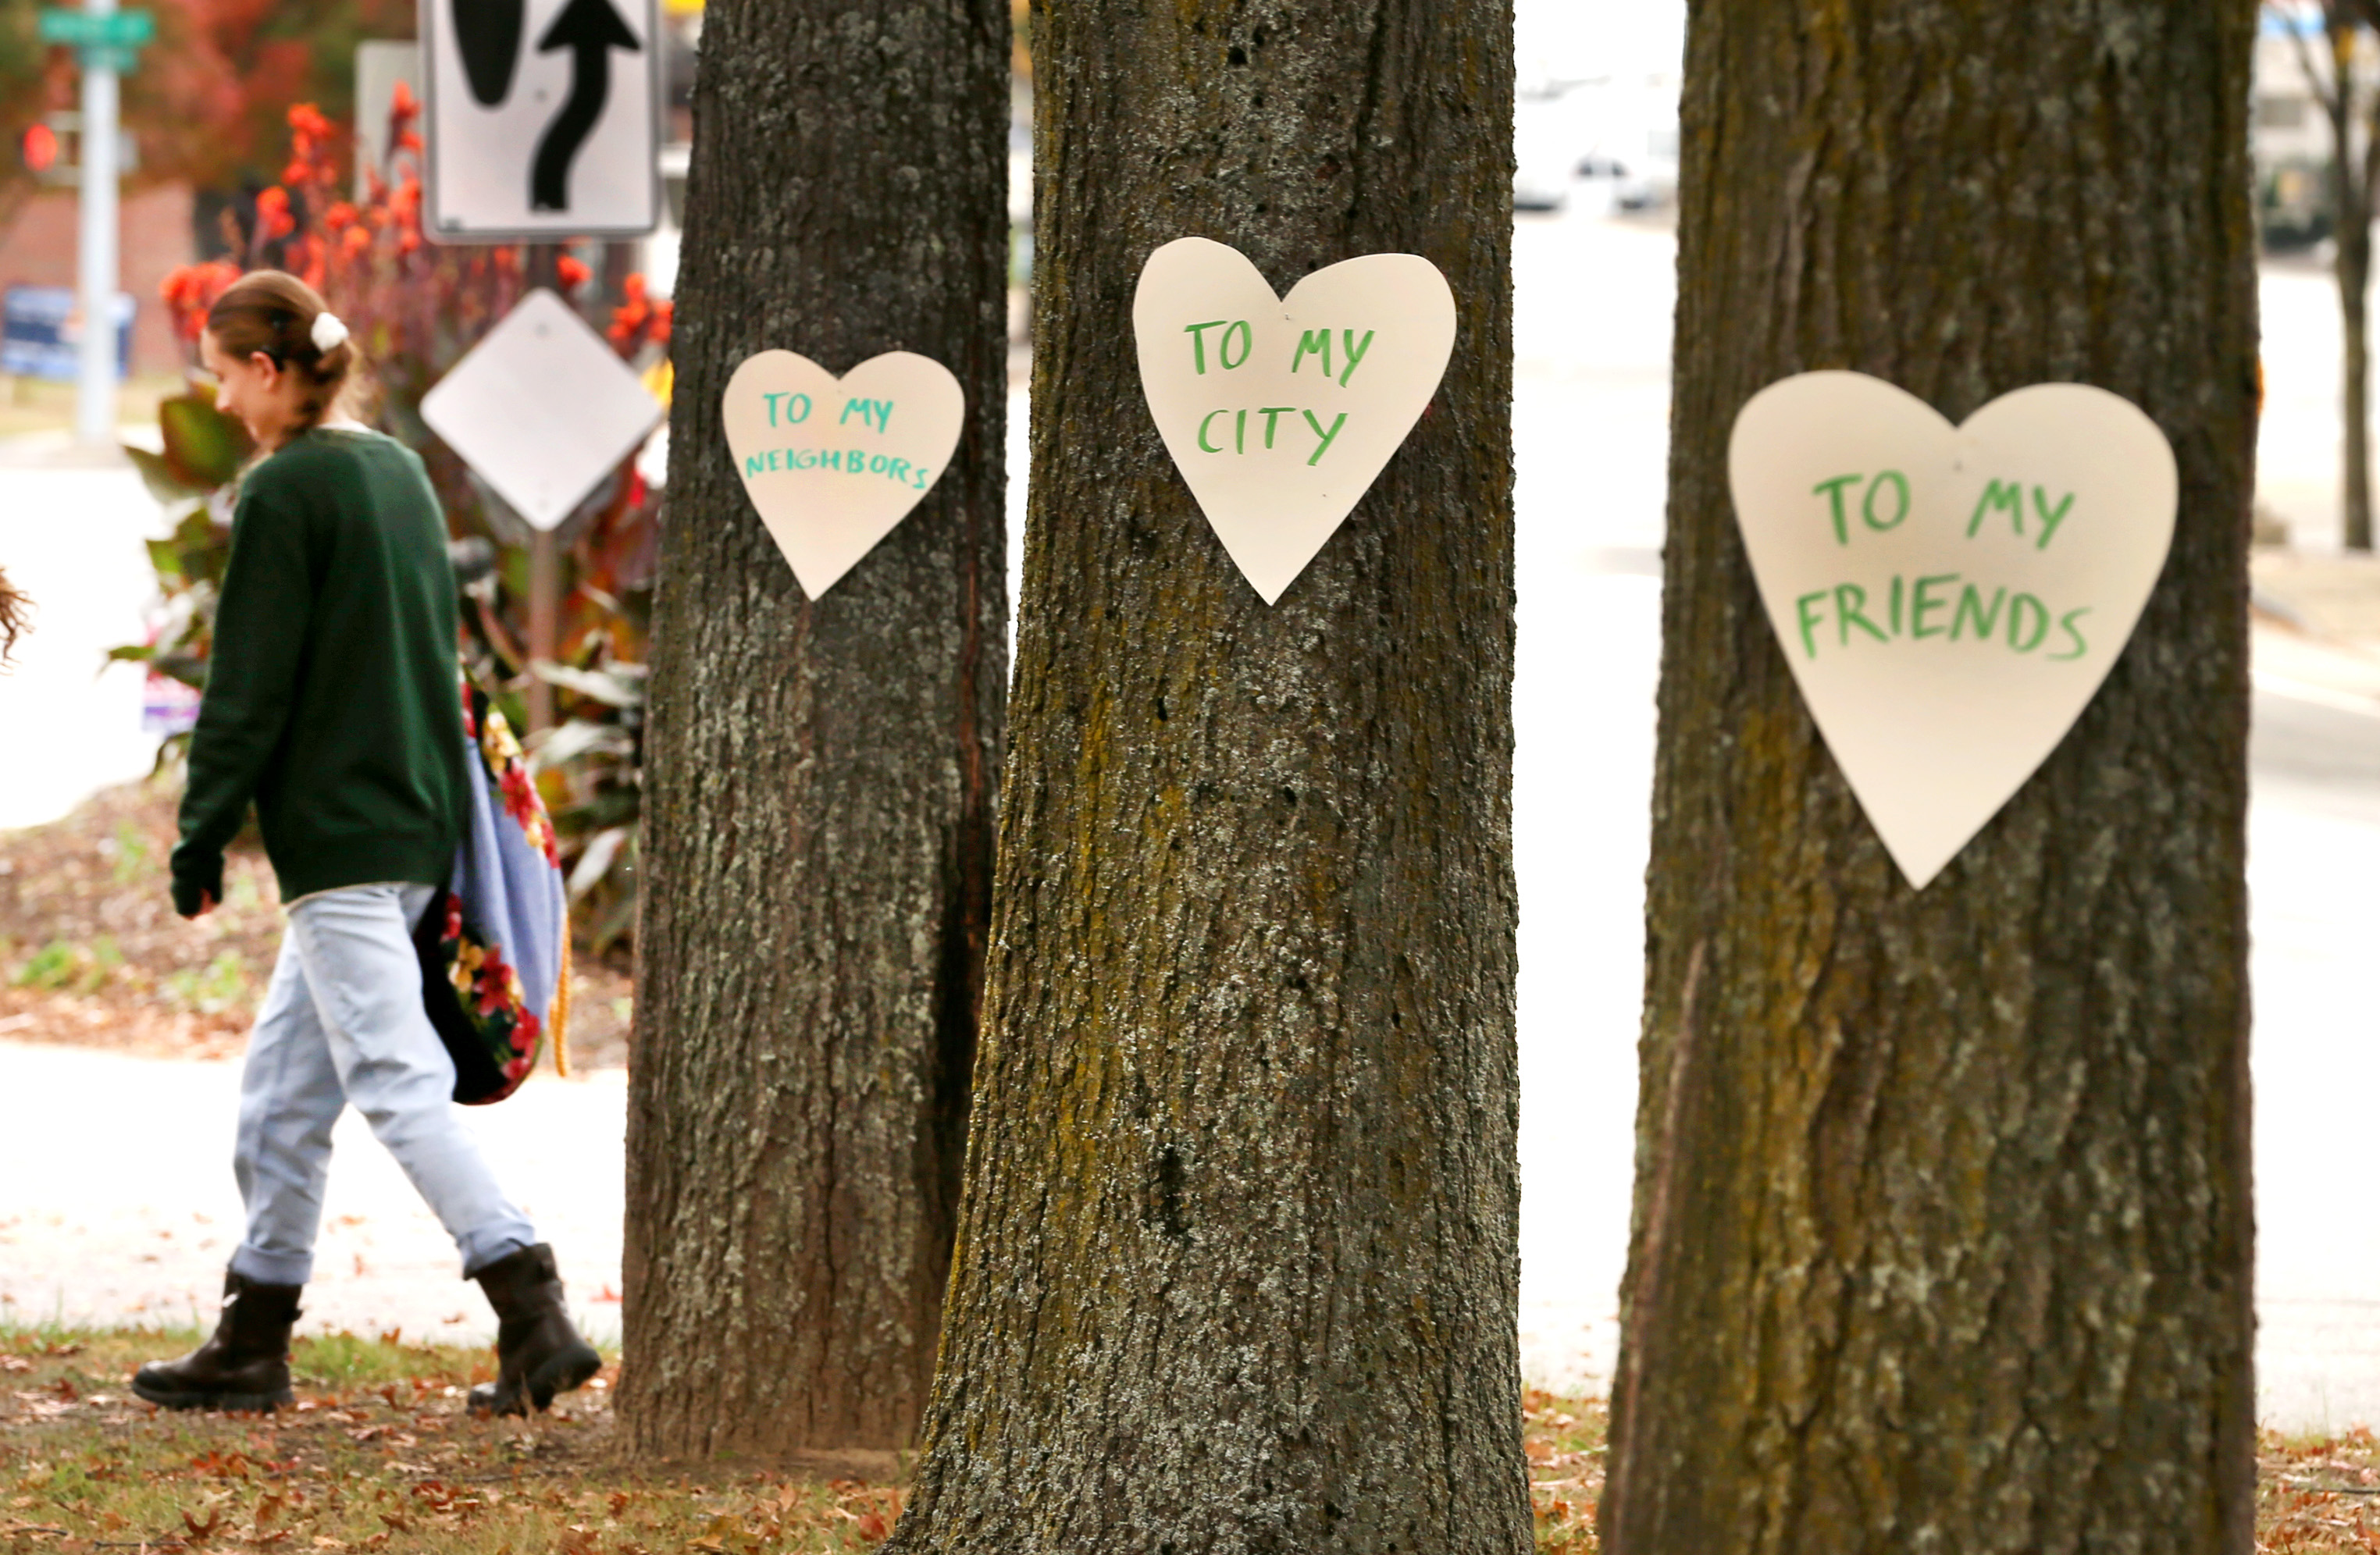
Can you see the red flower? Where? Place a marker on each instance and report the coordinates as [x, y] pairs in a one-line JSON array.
[[495, 982], [357, 244], [339, 217], [402, 102], [190, 291], [273, 212], [520, 795], [405, 203], [572, 272]]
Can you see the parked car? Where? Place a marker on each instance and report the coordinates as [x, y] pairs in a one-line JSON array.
[[1598, 145], [2294, 209], [1546, 137], [1647, 180]]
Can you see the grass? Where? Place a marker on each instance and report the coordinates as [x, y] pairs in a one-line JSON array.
[[1564, 1441], [33, 404], [379, 1454]]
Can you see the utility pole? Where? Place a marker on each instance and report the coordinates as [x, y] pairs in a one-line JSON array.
[[108, 42], [95, 379]]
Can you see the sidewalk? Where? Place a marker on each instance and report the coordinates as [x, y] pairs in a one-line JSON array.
[[72, 534], [119, 1206]]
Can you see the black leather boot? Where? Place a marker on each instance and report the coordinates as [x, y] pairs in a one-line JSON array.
[[245, 1366], [537, 1353]]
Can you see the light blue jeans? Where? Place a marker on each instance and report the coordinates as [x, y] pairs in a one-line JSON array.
[[343, 1022]]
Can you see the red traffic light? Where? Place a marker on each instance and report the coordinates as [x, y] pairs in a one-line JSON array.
[[39, 147]]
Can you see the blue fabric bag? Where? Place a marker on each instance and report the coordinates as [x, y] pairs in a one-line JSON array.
[[494, 946]]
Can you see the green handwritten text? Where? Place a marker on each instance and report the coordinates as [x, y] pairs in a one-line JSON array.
[[2021, 622]]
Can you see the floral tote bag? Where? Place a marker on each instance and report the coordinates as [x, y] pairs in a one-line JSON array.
[[495, 945]]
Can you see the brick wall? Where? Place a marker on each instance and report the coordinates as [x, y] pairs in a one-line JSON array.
[[38, 249]]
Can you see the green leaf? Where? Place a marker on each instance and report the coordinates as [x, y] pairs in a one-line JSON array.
[[205, 446], [192, 672], [136, 653], [167, 557], [165, 482], [205, 549]]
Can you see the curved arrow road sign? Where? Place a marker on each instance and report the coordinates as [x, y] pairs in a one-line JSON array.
[[558, 139], [591, 30]]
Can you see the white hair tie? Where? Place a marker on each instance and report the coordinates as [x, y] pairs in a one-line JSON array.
[[330, 332]]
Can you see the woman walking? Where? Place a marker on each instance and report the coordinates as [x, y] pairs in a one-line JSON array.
[[332, 706]]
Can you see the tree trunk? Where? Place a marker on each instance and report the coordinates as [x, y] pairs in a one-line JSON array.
[[819, 798], [2351, 185], [2355, 299], [1237, 1265], [1943, 1229]]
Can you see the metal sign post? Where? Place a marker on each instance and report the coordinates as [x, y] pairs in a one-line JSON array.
[[109, 41], [542, 409]]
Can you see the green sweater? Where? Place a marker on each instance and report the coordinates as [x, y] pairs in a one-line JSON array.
[[332, 699]]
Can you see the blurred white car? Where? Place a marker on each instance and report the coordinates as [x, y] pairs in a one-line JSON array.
[[1596, 146], [1546, 135], [1645, 181]]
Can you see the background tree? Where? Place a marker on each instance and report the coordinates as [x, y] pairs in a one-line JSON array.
[[1237, 1266], [2342, 83], [1943, 1230], [820, 774], [208, 99]]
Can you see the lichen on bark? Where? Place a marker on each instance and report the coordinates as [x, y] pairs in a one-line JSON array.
[[821, 773], [1943, 1215], [1237, 1267]]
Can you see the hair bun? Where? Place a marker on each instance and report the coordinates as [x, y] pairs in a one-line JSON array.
[[330, 332]]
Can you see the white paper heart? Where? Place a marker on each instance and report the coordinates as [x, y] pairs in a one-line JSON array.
[[1950, 598], [1281, 411], [834, 464]]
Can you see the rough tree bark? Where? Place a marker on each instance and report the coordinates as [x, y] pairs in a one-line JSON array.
[[1237, 1264], [2352, 108], [820, 775], [1943, 1222]]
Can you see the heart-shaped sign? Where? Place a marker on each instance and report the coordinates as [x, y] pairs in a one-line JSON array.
[[1950, 597], [832, 465], [1281, 411]]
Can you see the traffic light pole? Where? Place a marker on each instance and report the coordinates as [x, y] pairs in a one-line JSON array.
[[95, 375]]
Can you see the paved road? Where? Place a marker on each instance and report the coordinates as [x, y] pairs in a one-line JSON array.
[[100, 1199]]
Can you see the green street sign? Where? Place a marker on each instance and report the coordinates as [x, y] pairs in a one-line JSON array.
[[119, 34]]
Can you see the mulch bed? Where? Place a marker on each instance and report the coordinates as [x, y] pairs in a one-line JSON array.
[[93, 955]]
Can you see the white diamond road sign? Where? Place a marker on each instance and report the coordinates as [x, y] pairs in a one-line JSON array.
[[541, 409], [544, 118]]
